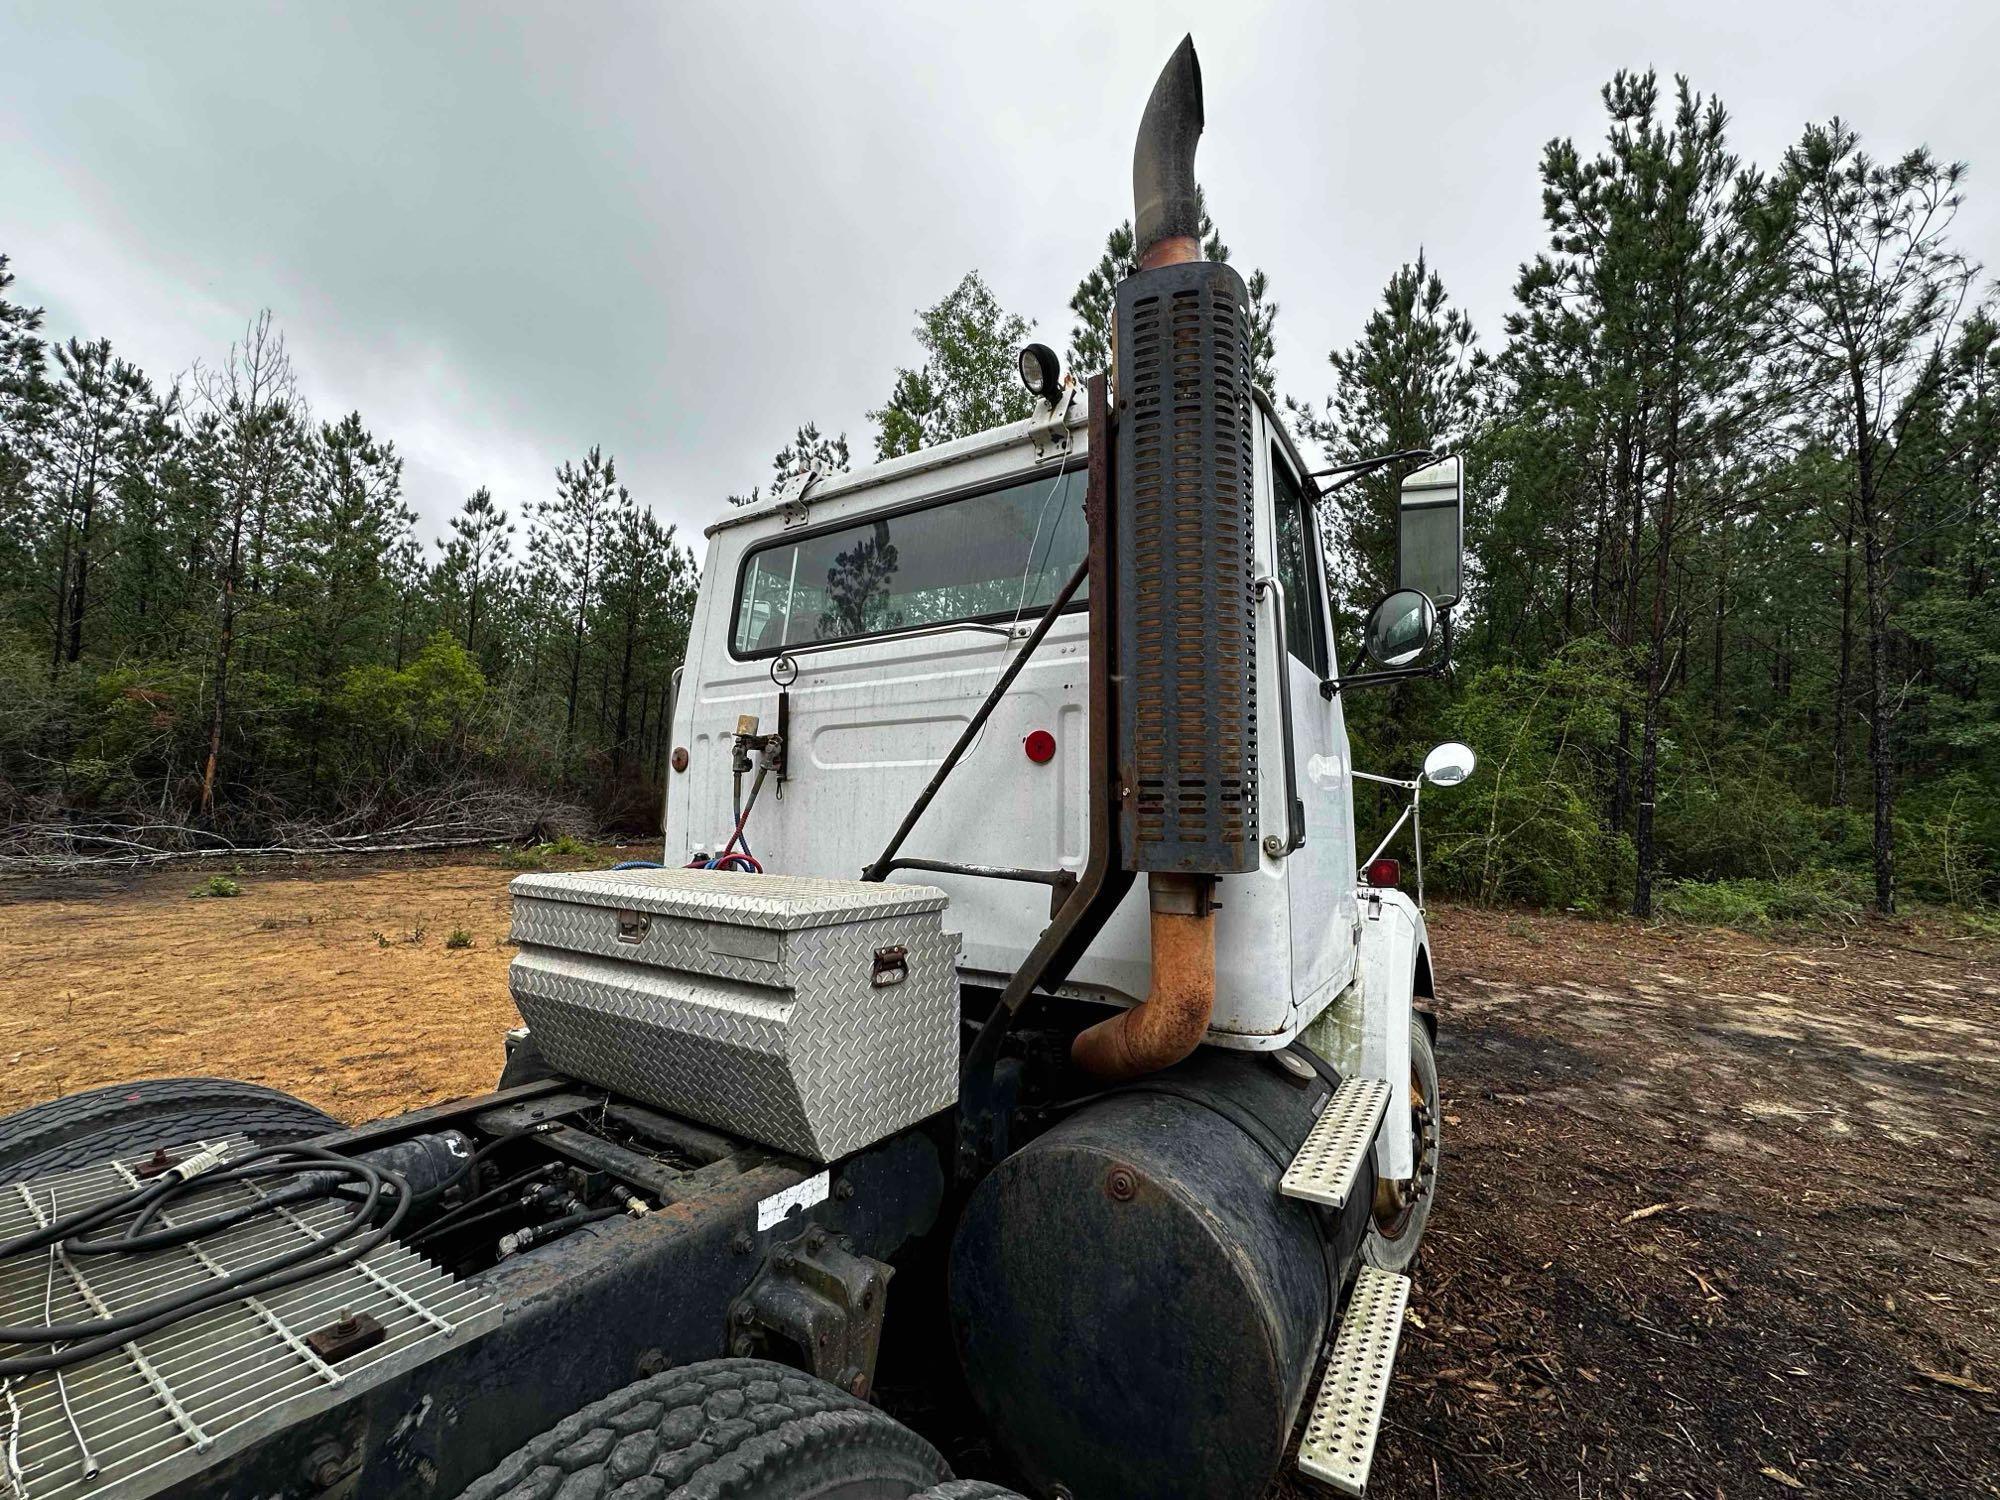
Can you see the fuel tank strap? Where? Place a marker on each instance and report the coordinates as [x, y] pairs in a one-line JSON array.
[[1234, 1113]]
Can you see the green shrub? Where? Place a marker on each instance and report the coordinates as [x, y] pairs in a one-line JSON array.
[[1816, 896], [458, 938], [216, 885], [1527, 827], [537, 856], [1945, 836]]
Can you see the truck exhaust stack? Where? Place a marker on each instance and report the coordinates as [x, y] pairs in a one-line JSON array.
[[1186, 606], [1166, 224]]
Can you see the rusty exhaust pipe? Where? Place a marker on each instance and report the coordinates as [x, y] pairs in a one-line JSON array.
[[1170, 1022], [1171, 489], [1166, 220]]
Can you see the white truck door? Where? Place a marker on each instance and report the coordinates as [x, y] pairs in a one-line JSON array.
[[1320, 873]]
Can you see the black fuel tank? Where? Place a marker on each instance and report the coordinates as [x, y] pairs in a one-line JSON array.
[[1136, 1307]]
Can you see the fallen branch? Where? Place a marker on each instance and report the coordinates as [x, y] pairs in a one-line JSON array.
[[458, 819]]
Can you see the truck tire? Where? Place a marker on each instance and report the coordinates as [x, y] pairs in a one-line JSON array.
[[723, 1429], [127, 1118], [1397, 1232], [969, 1489]]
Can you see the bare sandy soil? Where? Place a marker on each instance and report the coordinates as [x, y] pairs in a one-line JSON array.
[[334, 983], [1720, 1217]]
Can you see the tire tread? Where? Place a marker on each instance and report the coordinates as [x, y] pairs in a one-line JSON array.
[[716, 1430], [82, 1128]]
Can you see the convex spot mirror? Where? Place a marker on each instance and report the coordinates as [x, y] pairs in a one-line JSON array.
[[1400, 629], [1449, 764], [1430, 531]]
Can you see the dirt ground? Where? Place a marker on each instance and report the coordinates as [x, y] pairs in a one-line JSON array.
[[337, 984], [1720, 1217], [1720, 1214]]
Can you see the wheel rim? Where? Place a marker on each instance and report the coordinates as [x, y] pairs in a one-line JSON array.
[[1397, 1199]]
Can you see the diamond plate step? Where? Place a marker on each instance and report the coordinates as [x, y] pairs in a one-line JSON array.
[[1327, 1164], [1339, 1442]]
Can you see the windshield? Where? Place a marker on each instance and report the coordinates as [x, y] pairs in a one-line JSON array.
[[992, 556]]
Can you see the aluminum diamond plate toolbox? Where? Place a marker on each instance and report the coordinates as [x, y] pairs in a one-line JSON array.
[[167, 1405], [816, 1016]]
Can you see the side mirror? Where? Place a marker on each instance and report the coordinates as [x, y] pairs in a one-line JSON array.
[[1449, 764], [1400, 629], [1430, 531]]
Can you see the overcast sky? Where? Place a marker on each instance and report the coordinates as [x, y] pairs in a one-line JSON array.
[[507, 232]]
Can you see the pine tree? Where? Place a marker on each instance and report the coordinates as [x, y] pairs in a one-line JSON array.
[[808, 452], [252, 401], [969, 380], [23, 401], [339, 551], [570, 541], [98, 400], [1646, 320], [1413, 379], [1094, 300], [474, 563], [147, 589], [1878, 298]]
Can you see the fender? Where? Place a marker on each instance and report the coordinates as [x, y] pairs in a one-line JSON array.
[[1366, 1031]]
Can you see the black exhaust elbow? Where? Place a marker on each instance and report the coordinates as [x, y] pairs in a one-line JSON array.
[[1166, 222]]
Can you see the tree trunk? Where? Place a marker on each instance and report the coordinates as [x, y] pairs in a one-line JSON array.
[[79, 588], [59, 616], [1881, 756], [224, 646], [624, 723], [1721, 616], [1656, 650], [575, 679], [1875, 590], [224, 643], [1844, 676]]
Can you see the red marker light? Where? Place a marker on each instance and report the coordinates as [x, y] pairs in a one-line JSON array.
[[1383, 872], [1041, 747]]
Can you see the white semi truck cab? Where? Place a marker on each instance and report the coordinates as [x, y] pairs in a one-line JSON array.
[[848, 631], [1024, 669]]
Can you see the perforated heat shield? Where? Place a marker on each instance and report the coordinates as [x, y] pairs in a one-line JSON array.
[[1187, 609]]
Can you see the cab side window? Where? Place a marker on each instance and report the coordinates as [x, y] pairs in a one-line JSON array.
[[1298, 567]]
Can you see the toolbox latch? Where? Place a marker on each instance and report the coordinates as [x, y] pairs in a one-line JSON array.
[[633, 925], [892, 966]]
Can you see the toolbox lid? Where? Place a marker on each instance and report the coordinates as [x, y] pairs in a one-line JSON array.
[[782, 902]]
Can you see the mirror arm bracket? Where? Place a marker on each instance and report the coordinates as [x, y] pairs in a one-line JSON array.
[[1345, 474], [1330, 687]]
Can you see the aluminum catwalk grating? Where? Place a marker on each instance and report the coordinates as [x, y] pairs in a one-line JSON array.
[[172, 1402]]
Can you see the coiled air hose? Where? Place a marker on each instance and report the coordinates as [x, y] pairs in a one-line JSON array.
[[382, 1194]]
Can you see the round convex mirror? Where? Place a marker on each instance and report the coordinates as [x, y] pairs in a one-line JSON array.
[[1449, 764], [1399, 629]]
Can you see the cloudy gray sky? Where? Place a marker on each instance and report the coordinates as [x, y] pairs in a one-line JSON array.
[[506, 232]]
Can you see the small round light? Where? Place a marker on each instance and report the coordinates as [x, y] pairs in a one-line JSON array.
[[1041, 747], [680, 758], [1041, 371]]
